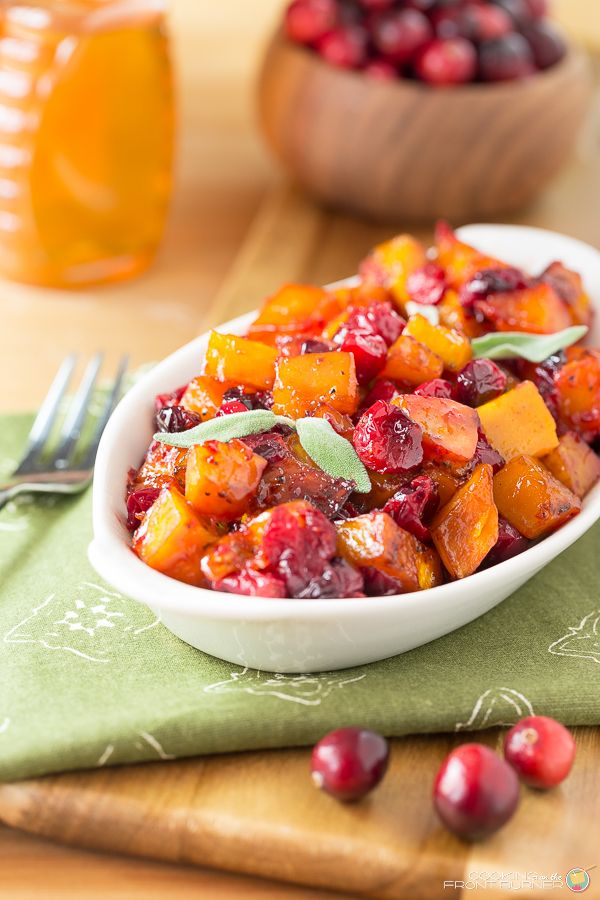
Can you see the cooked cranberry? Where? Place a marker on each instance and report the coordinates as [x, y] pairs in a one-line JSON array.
[[238, 394], [413, 504], [379, 318], [538, 8], [348, 511], [510, 543], [540, 750], [269, 445], [386, 440], [427, 285], [485, 453], [381, 390], [437, 387], [480, 380], [369, 351], [338, 579], [381, 69], [175, 418], [252, 583], [308, 20], [492, 281], [345, 46], [312, 345], [547, 43], [296, 547], [231, 406], [349, 762], [446, 62], [518, 10], [378, 584], [138, 502], [400, 33], [475, 791], [489, 22], [505, 58], [172, 399]]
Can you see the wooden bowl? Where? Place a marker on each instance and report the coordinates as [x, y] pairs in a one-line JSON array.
[[402, 150]]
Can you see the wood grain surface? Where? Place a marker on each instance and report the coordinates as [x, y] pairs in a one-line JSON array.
[[254, 813]]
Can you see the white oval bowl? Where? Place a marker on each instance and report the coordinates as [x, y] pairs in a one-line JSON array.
[[313, 635]]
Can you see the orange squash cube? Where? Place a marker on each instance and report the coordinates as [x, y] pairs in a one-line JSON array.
[[161, 466], [233, 358], [451, 346], [465, 530], [537, 310], [446, 478], [574, 463], [306, 382], [227, 556], [519, 423], [578, 392], [453, 315], [204, 396], [172, 537], [429, 567], [375, 540], [459, 260], [569, 287], [389, 265], [221, 479], [450, 429], [411, 362], [529, 496], [296, 308]]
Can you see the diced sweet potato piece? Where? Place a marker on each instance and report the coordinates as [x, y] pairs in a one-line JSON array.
[[162, 465], [204, 396], [538, 310], [172, 537], [519, 422], [411, 362], [574, 463], [389, 265], [459, 260], [453, 314], [429, 567], [233, 358], [578, 392], [453, 348], [305, 382], [375, 540], [569, 287], [465, 530], [529, 496], [449, 428], [221, 479], [296, 308]]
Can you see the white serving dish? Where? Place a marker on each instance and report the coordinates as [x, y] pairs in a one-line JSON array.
[[313, 635]]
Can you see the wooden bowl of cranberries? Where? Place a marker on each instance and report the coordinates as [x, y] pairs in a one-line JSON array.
[[418, 109]]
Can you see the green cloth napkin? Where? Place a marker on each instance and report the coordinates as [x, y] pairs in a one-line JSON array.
[[89, 678]]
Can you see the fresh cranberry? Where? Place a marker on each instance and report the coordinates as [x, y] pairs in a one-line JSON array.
[[538, 8], [381, 69], [399, 34], [413, 504], [349, 762], [386, 440], [378, 584], [510, 543], [296, 546], [437, 387], [485, 453], [453, 22], [172, 399], [480, 380], [252, 584], [381, 390], [489, 22], [376, 5], [231, 406], [369, 351], [378, 318], [547, 43], [138, 503], [427, 285], [312, 345], [540, 750], [475, 791], [421, 5], [506, 58], [446, 62], [345, 47], [518, 10], [338, 579], [175, 418], [492, 281], [306, 21]]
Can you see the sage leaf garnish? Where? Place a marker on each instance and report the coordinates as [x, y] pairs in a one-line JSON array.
[[331, 452], [225, 428], [520, 344]]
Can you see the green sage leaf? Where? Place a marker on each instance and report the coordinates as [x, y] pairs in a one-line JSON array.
[[332, 453], [225, 428], [520, 344]]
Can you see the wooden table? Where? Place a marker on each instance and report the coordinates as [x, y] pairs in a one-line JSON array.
[[231, 204]]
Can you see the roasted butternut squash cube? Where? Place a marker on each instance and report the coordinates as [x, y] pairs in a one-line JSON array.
[[459, 260], [204, 396], [569, 287], [389, 265], [296, 308], [529, 496], [221, 479], [411, 362], [519, 423], [465, 530], [233, 358], [375, 540], [578, 392], [306, 382], [450, 429], [537, 310], [161, 466], [451, 346], [446, 478], [172, 537], [227, 556], [574, 463], [453, 315], [429, 567]]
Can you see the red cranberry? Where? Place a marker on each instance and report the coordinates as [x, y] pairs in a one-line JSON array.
[[349, 762], [489, 22], [252, 584], [172, 399], [378, 318], [427, 285], [312, 345], [376, 5], [231, 406], [538, 8], [381, 390], [547, 43], [379, 584], [480, 380], [453, 22], [176, 418], [399, 34], [270, 446], [413, 504], [297, 546], [540, 750], [506, 58], [381, 69], [475, 791], [510, 543], [437, 387], [485, 453], [446, 62], [386, 440], [138, 503], [338, 579], [345, 47], [306, 21], [518, 10], [369, 351], [492, 281], [421, 5]]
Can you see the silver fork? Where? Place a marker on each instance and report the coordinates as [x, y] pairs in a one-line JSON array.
[[66, 471]]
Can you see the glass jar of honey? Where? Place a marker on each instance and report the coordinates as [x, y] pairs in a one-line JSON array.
[[86, 139]]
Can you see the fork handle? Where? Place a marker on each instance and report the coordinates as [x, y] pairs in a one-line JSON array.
[[7, 493]]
